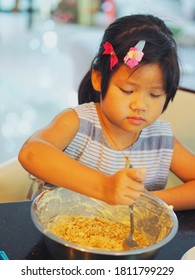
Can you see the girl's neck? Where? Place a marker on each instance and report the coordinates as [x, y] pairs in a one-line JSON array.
[[117, 138]]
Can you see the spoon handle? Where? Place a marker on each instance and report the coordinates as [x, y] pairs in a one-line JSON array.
[[131, 219]]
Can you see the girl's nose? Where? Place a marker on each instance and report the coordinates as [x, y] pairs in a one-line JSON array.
[[138, 103]]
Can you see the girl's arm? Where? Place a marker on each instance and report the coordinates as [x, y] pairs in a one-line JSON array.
[[42, 155], [183, 166]]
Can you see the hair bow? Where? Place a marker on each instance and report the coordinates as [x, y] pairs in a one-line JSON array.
[[134, 55], [108, 49]]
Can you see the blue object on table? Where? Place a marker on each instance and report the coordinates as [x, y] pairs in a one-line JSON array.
[[3, 256]]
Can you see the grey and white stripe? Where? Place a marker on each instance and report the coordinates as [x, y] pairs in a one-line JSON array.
[[152, 150]]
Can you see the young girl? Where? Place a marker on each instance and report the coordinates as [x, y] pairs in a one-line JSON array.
[[112, 145]]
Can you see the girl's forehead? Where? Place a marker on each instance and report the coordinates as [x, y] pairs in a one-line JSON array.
[[148, 73]]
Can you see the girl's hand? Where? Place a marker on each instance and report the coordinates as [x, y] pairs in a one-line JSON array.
[[125, 186]]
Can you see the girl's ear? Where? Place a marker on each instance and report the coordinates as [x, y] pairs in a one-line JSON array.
[[96, 79]]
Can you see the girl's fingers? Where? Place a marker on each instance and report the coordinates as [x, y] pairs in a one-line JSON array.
[[136, 174]]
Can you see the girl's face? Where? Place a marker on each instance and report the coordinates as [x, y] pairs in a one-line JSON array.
[[134, 99]]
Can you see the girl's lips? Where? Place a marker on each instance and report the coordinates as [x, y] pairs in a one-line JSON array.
[[136, 120]]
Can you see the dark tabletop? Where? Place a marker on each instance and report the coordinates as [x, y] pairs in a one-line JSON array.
[[20, 239]]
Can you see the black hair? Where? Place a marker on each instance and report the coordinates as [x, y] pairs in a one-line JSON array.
[[126, 32]]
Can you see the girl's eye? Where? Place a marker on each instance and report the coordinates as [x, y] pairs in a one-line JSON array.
[[153, 95], [129, 91]]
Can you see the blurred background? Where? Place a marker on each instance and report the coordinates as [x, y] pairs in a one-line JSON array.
[[46, 47]]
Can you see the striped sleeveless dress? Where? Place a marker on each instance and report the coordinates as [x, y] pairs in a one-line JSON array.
[[153, 149]]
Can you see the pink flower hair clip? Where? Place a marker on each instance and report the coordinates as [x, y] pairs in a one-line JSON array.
[[108, 49], [134, 55]]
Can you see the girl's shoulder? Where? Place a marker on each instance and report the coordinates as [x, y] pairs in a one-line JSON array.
[[87, 112]]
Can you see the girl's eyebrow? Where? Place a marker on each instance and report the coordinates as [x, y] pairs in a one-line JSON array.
[[135, 84]]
